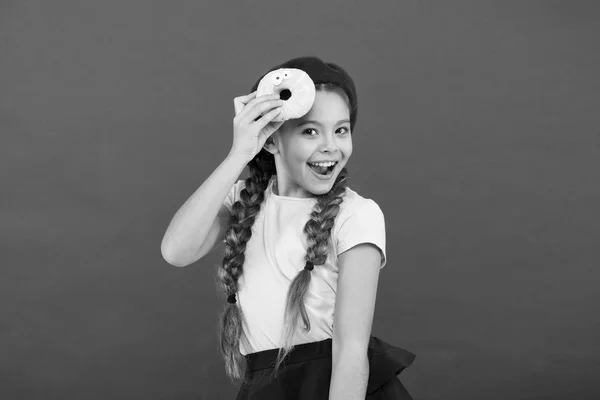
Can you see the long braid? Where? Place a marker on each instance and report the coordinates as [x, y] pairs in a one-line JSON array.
[[239, 231], [318, 232]]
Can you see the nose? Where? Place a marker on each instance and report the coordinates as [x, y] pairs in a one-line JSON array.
[[330, 144]]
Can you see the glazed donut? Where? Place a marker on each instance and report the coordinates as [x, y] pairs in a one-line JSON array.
[[294, 86]]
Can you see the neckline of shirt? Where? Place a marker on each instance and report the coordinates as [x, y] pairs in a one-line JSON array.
[[278, 197]]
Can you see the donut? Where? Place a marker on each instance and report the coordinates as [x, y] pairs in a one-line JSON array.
[[294, 86]]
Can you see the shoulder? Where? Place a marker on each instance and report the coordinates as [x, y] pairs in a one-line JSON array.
[[360, 220], [239, 185], [358, 206], [359, 216], [234, 193]]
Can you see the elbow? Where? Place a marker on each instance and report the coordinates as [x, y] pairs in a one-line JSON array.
[[170, 256]]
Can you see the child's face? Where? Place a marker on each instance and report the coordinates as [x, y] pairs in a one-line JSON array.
[[299, 141]]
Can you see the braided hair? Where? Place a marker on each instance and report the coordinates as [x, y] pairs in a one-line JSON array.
[[317, 229]]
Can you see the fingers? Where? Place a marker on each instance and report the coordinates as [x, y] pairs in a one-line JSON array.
[[256, 101], [260, 109], [240, 101], [268, 117], [250, 111], [268, 130]]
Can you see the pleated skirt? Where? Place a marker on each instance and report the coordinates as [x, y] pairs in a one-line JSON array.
[[305, 374]]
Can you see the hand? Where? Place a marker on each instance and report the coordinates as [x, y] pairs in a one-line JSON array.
[[253, 123]]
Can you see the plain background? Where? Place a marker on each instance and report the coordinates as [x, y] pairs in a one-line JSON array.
[[478, 135]]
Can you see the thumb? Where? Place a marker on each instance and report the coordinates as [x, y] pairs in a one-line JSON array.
[[276, 124], [267, 132], [271, 126]]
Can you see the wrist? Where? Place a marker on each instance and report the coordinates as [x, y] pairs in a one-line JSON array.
[[237, 161]]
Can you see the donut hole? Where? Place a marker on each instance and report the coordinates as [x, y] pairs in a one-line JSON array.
[[285, 94]]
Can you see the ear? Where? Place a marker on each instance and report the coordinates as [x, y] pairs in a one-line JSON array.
[[271, 144]]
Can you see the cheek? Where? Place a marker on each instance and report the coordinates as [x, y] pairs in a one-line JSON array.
[[299, 151], [298, 158], [347, 149]]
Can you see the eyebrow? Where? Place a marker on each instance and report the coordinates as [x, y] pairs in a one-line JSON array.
[[318, 123]]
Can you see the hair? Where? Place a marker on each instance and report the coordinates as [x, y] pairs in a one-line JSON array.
[[244, 212]]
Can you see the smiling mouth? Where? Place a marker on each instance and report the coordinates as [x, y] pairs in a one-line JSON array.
[[323, 171]]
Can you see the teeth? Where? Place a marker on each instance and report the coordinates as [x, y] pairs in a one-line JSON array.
[[327, 164]]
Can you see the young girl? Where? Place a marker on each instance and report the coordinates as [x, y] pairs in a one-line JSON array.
[[302, 251]]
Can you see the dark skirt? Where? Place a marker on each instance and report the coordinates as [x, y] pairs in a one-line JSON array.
[[306, 373]]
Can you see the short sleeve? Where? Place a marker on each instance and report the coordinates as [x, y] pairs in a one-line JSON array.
[[234, 194], [363, 222]]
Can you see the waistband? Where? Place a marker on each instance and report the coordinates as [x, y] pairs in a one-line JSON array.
[[385, 360], [300, 353]]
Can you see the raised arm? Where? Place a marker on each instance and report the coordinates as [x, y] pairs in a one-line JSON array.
[[190, 227], [197, 217]]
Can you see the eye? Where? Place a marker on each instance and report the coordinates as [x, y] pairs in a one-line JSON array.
[[277, 78], [287, 75], [312, 129]]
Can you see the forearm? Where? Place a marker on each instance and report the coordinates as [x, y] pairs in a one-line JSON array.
[[191, 223], [349, 375]]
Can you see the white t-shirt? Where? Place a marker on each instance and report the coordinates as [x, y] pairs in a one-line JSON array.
[[275, 254]]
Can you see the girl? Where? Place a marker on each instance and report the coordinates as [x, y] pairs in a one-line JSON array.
[[302, 251]]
